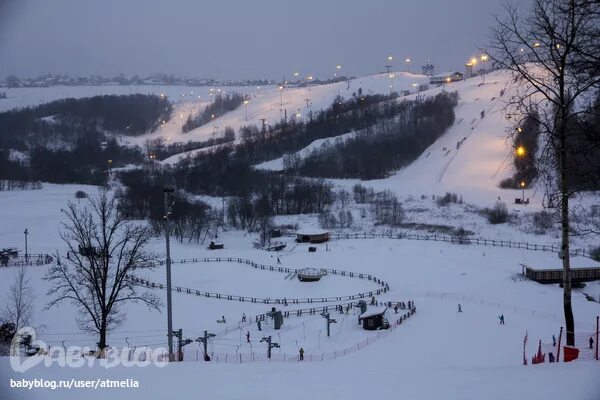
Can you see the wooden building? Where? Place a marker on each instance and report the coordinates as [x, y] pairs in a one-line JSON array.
[[578, 275], [446, 77], [374, 318], [312, 236]]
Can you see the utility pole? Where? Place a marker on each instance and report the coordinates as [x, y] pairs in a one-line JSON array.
[[264, 124], [26, 233], [204, 341], [167, 191], [307, 102], [180, 343], [270, 345], [329, 322]]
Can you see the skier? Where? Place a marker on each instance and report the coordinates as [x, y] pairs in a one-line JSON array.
[[591, 343], [301, 352], [551, 357], [396, 309], [459, 308], [373, 300], [258, 325], [243, 317], [247, 336], [553, 341], [278, 260], [501, 317]]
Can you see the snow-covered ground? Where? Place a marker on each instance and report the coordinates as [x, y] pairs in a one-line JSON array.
[[437, 353]]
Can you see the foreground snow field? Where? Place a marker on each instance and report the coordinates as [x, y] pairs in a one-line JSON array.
[[437, 353]]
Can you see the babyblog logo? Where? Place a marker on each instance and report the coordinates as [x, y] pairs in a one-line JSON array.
[[26, 351]]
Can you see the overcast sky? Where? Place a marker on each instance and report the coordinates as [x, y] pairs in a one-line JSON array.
[[238, 38]]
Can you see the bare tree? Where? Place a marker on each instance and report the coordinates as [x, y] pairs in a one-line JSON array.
[[19, 302], [104, 252], [553, 55]]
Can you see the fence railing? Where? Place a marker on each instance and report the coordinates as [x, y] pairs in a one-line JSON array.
[[554, 248], [29, 261], [383, 286]]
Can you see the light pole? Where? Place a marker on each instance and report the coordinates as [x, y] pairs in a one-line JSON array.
[[407, 61], [484, 58], [281, 95], [26, 233], [338, 68], [167, 191], [473, 63], [523, 194], [246, 109]]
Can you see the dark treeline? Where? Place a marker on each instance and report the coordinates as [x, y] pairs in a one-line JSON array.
[[64, 120], [73, 140], [584, 148], [252, 195], [143, 199], [221, 104], [386, 145], [341, 117], [162, 150], [525, 145]]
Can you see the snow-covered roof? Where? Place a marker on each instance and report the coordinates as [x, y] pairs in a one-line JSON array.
[[372, 311], [311, 231], [446, 74]]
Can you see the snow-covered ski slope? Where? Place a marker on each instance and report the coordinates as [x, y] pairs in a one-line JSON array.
[[473, 156], [470, 158], [272, 104]]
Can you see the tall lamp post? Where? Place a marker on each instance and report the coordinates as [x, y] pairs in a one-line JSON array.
[[523, 194], [280, 95], [246, 110], [167, 192], [484, 58], [26, 233], [407, 61]]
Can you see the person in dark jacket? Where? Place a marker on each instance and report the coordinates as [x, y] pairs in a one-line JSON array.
[[591, 343], [301, 352]]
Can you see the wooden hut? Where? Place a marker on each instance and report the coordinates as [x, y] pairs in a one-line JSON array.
[[578, 275], [312, 236], [374, 318]]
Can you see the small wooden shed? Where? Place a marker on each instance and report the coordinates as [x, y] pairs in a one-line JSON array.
[[312, 236], [374, 318]]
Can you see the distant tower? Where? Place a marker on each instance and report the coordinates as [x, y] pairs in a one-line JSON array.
[[428, 69]]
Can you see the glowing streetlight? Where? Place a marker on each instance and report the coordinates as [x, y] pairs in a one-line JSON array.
[[536, 44], [281, 95], [521, 151], [483, 58], [246, 109], [407, 61], [523, 193], [519, 130], [390, 58], [338, 68]]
